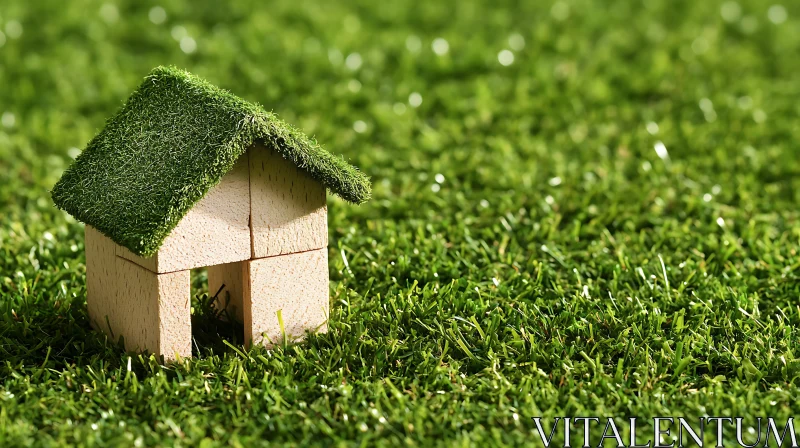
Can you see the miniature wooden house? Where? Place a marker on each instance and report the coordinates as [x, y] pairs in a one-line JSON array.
[[187, 176]]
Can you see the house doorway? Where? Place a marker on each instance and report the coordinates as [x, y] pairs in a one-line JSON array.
[[212, 324]]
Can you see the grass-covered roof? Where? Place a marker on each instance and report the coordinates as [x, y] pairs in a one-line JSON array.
[[174, 139]]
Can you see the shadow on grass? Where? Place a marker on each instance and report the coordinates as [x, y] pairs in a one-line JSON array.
[[57, 335], [212, 327]]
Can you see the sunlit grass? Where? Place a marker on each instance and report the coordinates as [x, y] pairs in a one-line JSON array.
[[579, 208]]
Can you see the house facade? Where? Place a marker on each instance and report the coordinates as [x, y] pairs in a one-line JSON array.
[[261, 233], [188, 176]]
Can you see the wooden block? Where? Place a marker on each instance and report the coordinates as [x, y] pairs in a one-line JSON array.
[[288, 209], [152, 311], [231, 275], [215, 231], [101, 272], [294, 284]]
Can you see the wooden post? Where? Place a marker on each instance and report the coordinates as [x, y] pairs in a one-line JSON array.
[[296, 285], [101, 273], [151, 312]]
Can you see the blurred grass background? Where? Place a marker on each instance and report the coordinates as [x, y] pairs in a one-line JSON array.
[[580, 208]]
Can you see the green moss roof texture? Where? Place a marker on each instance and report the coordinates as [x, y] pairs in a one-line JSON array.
[[174, 139]]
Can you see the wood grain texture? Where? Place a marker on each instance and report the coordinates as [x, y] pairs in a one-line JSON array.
[[288, 209], [231, 275], [297, 285], [152, 311], [175, 315], [215, 231], [101, 270], [149, 311]]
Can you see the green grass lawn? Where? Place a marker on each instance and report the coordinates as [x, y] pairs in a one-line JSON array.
[[579, 208]]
